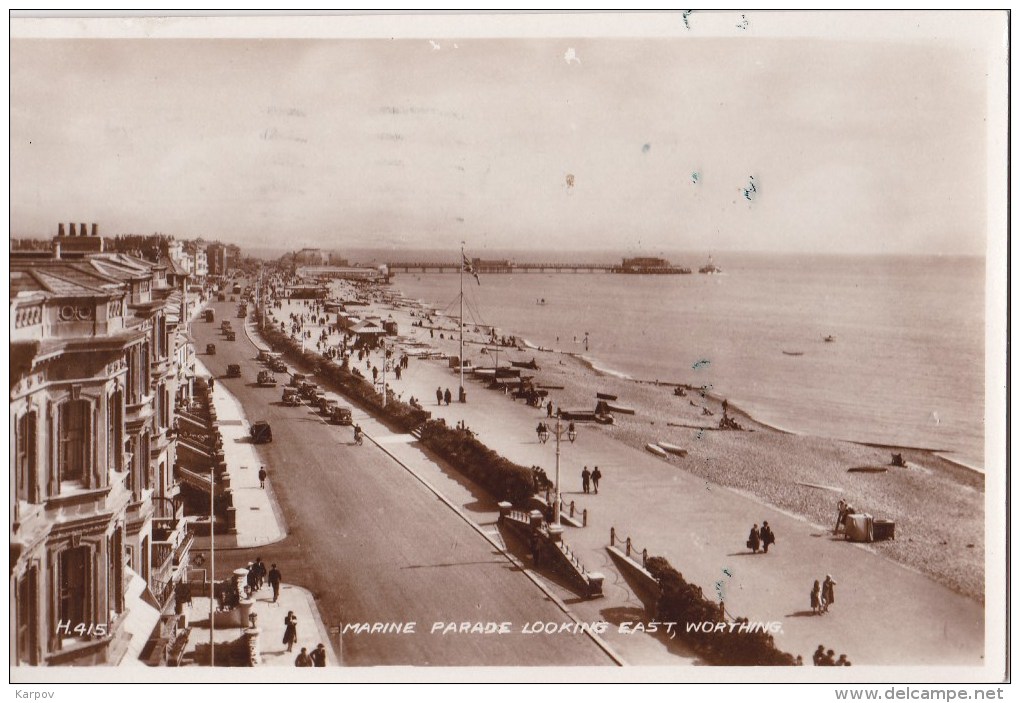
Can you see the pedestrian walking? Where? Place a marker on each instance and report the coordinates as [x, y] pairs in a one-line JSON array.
[[548, 409], [375, 374], [448, 396], [290, 630], [767, 537], [828, 591], [318, 655], [303, 659], [585, 479], [536, 548], [252, 578], [595, 476], [754, 539], [816, 598], [274, 580], [212, 383], [262, 477], [260, 573], [439, 396]]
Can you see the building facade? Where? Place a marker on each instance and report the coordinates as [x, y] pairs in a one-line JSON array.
[[98, 542]]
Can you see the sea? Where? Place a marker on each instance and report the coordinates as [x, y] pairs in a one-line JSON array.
[[905, 365]]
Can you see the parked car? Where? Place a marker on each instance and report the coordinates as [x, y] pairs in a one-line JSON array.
[[308, 389], [231, 336], [261, 432], [266, 378], [225, 325], [317, 398], [234, 371], [326, 405], [291, 396], [278, 365], [297, 379], [210, 315], [210, 348], [341, 415]]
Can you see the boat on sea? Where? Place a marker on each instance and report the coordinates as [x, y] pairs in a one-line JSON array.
[[709, 267], [656, 450], [672, 448], [793, 353]]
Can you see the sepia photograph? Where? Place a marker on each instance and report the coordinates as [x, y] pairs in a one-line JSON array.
[[521, 347]]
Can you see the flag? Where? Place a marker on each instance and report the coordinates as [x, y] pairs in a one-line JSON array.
[[468, 268]]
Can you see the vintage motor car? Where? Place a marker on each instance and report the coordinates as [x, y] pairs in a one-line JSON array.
[[326, 405], [308, 389], [231, 336], [291, 397], [234, 371], [210, 316], [341, 415], [266, 378], [277, 365], [210, 348], [297, 379], [261, 432]]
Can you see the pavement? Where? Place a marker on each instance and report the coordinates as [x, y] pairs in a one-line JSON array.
[[884, 613]]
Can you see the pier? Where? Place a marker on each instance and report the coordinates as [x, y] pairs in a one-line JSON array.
[[489, 267]]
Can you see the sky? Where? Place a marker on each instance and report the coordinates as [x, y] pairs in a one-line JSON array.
[[724, 140]]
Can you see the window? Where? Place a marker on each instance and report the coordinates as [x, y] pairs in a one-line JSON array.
[[115, 431], [74, 589], [26, 479], [27, 616], [115, 580], [74, 455]]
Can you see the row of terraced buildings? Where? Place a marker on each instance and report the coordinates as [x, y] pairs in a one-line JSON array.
[[99, 362]]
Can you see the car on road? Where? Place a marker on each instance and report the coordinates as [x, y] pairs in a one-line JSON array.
[[266, 378], [234, 371], [297, 379], [308, 389], [326, 405], [278, 365], [231, 336], [341, 415], [317, 398], [225, 325], [291, 397], [210, 348], [210, 315], [261, 432]]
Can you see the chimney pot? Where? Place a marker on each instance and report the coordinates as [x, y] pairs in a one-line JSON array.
[[95, 229], [72, 232], [60, 229], [84, 231]]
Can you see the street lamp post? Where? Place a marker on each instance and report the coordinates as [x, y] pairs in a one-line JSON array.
[[543, 436]]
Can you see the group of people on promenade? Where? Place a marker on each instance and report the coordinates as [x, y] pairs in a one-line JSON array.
[[827, 657], [590, 479], [761, 538], [258, 575], [823, 595], [317, 657]]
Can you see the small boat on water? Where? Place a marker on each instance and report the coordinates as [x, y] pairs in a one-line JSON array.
[[656, 450], [830, 338], [673, 449], [793, 353]]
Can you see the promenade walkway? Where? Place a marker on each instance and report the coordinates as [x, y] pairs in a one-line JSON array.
[[884, 613]]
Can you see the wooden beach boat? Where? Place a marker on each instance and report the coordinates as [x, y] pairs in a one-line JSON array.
[[673, 449], [657, 450], [604, 419], [622, 409], [578, 415], [868, 470], [606, 396]]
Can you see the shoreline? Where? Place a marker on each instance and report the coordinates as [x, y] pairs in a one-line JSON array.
[[781, 469]]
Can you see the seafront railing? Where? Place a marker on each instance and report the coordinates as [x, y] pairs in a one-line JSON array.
[[571, 508], [628, 546]]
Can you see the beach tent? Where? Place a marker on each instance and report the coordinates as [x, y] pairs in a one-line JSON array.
[[860, 527]]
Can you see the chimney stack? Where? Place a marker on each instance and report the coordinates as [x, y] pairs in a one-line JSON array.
[[60, 229], [72, 232], [84, 232], [95, 229]]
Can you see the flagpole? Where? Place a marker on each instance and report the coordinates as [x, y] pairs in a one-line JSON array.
[[460, 396]]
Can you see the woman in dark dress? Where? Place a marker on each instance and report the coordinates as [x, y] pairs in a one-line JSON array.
[[754, 539], [290, 633]]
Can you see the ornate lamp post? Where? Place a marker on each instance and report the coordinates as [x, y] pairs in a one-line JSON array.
[[543, 437]]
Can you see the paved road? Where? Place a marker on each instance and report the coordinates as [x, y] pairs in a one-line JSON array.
[[375, 546]]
